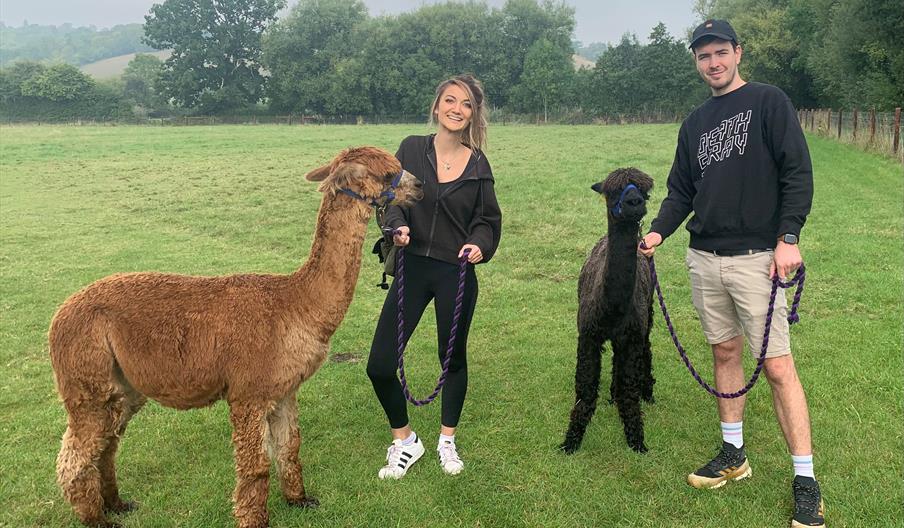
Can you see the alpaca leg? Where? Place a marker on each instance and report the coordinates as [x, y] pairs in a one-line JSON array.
[[252, 466], [123, 409], [613, 385], [586, 382], [86, 438], [647, 361], [283, 442], [627, 351]]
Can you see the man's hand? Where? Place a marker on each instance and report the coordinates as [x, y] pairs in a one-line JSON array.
[[652, 240], [786, 260], [402, 238]]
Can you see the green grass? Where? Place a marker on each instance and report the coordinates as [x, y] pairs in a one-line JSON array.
[[79, 203]]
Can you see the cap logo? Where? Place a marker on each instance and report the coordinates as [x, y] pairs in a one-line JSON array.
[[709, 25]]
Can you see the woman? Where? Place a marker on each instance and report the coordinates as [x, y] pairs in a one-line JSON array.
[[458, 212]]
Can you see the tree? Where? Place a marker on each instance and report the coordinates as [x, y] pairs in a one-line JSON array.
[[821, 52], [31, 91], [140, 79], [13, 77], [524, 22], [216, 60], [547, 77], [859, 59], [617, 84], [60, 82], [677, 87], [308, 52]]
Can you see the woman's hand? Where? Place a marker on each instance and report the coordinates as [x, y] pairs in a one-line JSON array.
[[474, 256], [401, 238]]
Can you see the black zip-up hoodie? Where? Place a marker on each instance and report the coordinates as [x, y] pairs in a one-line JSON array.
[[742, 166], [464, 211]]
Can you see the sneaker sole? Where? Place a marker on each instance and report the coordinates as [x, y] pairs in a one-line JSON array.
[[795, 524], [701, 482], [393, 476]]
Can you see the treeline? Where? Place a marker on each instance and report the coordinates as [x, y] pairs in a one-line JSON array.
[[331, 58], [67, 44]]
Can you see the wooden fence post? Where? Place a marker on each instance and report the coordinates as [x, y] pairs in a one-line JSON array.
[[872, 124], [897, 129], [855, 123], [840, 112]]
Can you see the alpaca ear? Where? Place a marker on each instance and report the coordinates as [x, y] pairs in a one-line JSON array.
[[318, 174], [598, 187], [343, 176], [346, 172]]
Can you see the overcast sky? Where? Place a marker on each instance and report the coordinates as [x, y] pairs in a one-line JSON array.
[[597, 20]]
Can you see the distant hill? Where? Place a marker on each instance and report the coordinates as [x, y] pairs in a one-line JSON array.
[[114, 66], [68, 44], [581, 63], [591, 51]]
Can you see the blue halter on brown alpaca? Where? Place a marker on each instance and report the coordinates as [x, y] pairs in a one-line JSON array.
[[388, 195]]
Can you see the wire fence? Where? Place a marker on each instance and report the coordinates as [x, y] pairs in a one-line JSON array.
[[868, 129], [497, 116], [874, 131]]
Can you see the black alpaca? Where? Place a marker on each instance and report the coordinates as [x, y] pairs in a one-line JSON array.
[[615, 304]]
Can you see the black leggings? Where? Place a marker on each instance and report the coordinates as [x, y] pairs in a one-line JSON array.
[[426, 279]]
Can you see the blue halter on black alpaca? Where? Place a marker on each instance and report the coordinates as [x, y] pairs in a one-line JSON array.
[[388, 194], [616, 211]]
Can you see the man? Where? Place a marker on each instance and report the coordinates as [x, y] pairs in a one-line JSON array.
[[743, 168]]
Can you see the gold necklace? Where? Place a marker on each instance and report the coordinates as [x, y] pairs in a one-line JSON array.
[[447, 165]]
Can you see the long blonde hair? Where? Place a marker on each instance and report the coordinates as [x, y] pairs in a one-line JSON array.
[[475, 134]]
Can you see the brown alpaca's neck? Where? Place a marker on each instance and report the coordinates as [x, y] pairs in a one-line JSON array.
[[326, 282], [621, 262]]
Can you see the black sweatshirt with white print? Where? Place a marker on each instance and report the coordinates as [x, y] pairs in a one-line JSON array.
[[743, 168]]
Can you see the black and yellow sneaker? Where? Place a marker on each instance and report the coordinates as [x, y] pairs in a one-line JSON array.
[[730, 464], [808, 506]]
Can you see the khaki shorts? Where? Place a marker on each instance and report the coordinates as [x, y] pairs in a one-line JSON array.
[[731, 295]]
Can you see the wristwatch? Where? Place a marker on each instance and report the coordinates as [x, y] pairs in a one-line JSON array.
[[789, 238]]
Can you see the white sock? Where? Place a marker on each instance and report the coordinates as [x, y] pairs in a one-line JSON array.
[[733, 433], [410, 440], [803, 465], [445, 439]]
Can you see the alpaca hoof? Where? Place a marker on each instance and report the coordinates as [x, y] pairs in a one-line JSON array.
[[305, 502], [569, 448], [640, 448], [121, 507]]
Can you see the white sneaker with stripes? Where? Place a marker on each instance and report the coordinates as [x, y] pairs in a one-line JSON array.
[[401, 457], [448, 459]]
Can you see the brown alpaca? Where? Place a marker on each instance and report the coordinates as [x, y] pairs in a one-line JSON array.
[[189, 341]]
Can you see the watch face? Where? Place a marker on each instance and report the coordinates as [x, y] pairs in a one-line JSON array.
[[789, 239]]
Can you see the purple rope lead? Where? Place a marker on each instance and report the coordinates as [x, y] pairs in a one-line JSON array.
[[456, 315], [793, 317]]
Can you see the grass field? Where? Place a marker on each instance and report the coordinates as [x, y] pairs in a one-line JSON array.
[[79, 203]]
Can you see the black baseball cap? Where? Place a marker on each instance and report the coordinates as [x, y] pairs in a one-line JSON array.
[[720, 29]]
